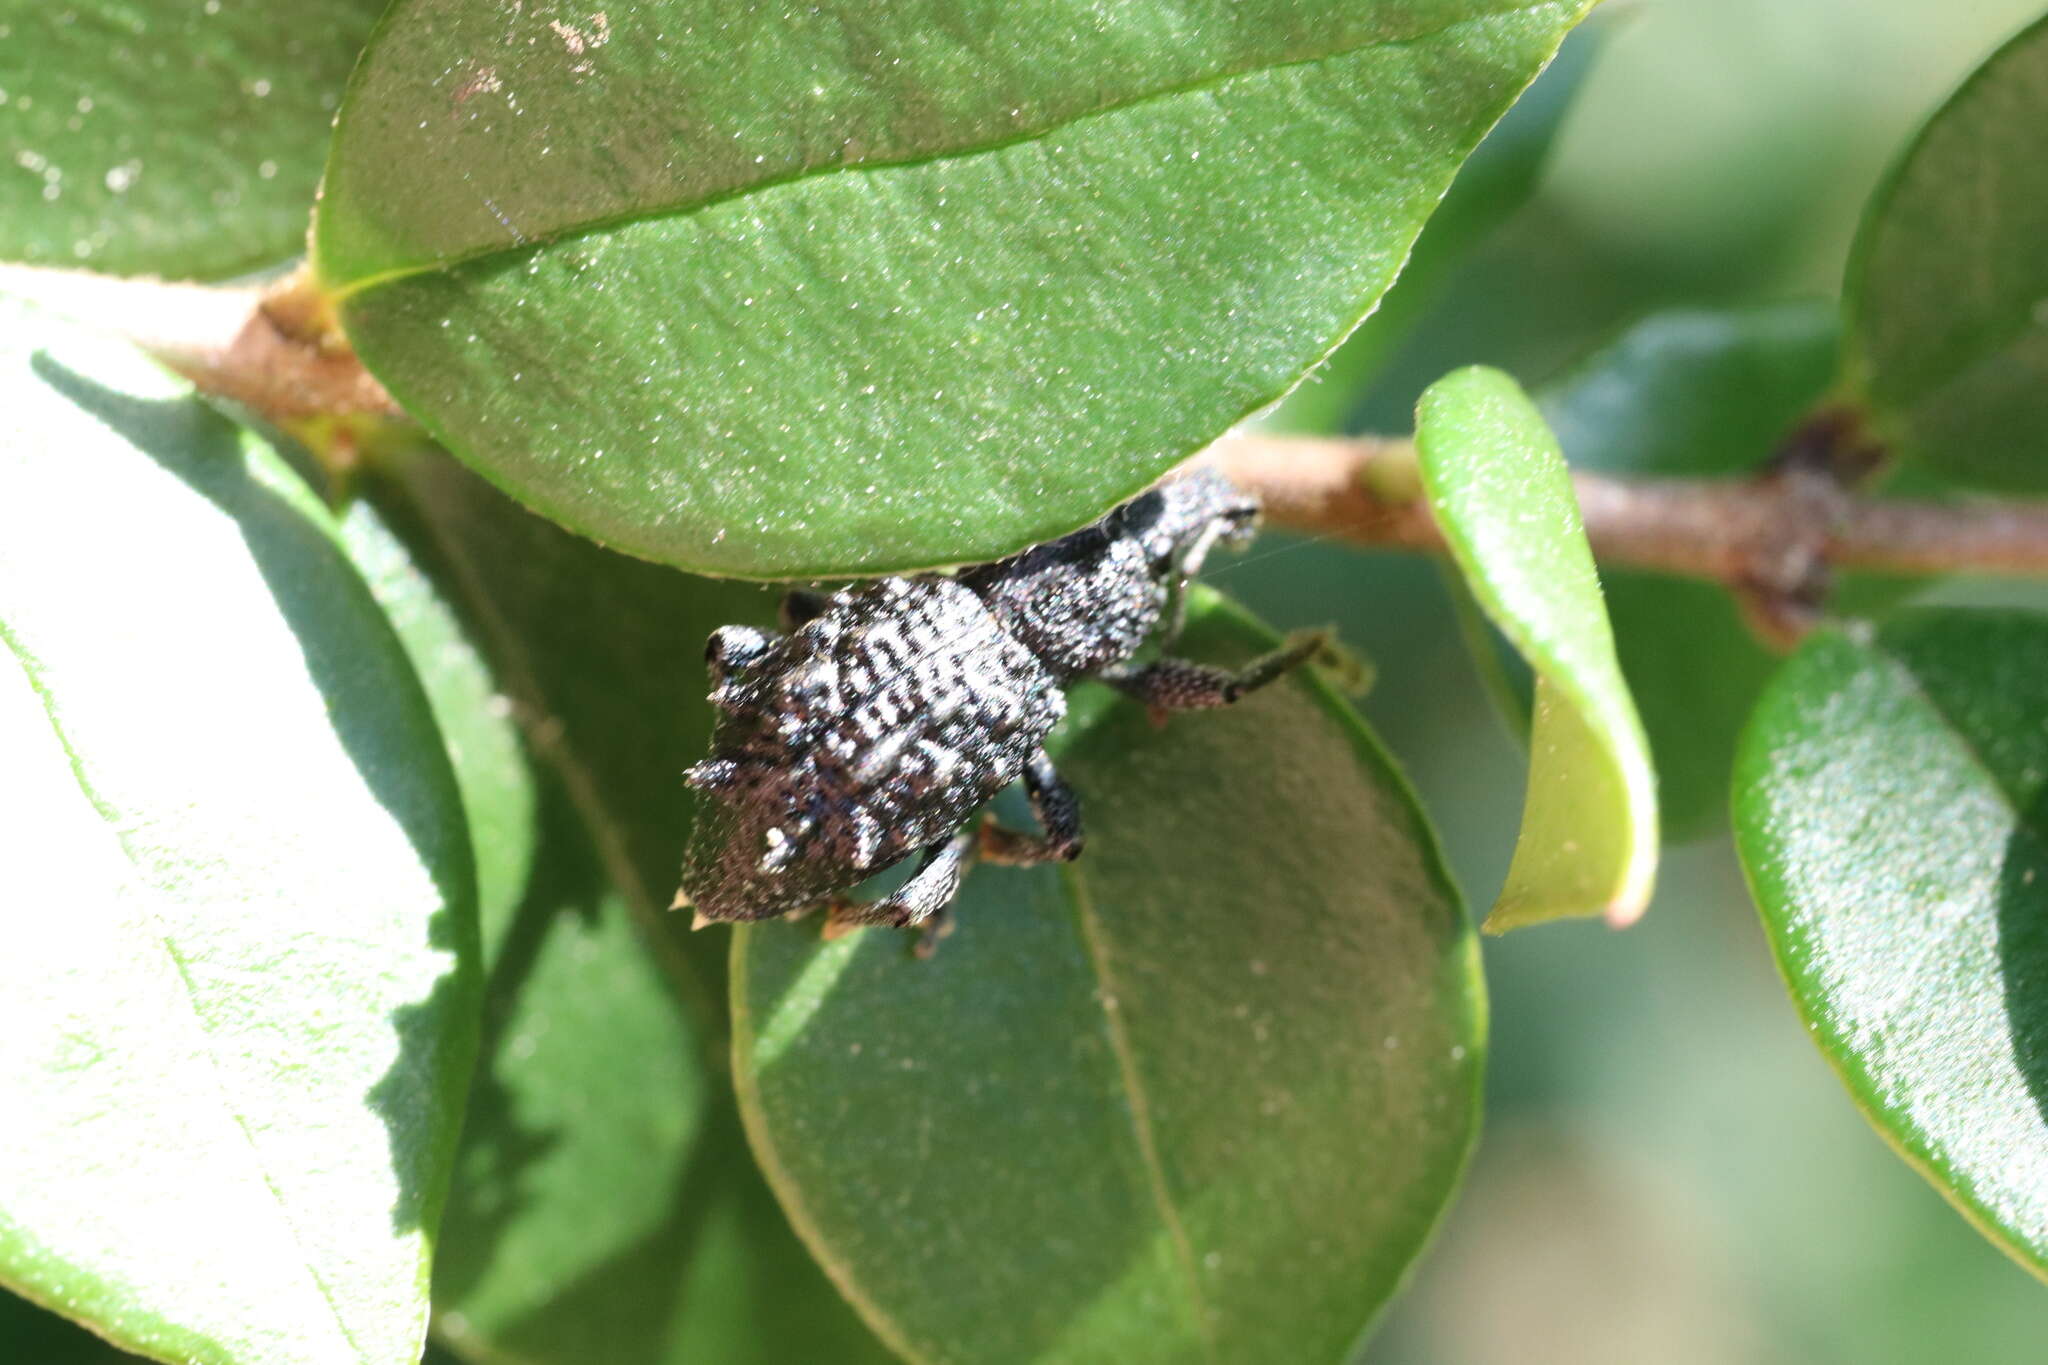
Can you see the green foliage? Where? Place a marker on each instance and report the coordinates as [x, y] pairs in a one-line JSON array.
[[606, 1206], [1498, 486], [1200, 1095], [1888, 807], [872, 337], [1946, 337], [167, 137], [241, 999], [1691, 394], [1495, 181], [311, 807]]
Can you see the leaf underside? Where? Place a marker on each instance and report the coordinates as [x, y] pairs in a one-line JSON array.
[[1498, 486], [864, 292], [1945, 336]]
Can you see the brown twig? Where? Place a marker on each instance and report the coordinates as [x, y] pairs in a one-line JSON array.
[[273, 349], [1770, 539]]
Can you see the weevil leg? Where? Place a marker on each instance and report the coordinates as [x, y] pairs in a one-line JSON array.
[[800, 605], [921, 900], [1185, 568], [1182, 685], [1059, 815]]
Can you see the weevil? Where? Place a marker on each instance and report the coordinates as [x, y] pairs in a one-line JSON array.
[[880, 721]]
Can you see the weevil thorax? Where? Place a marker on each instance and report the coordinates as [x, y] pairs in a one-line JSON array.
[[1092, 599], [872, 731]]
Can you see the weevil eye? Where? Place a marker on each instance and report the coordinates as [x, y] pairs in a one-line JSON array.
[[1240, 524]]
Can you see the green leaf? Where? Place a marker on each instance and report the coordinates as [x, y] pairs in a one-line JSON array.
[[1498, 487], [1691, 394], [1946, 340], [1199, 1095], [491, 770], [606, 1207], [603, 659], [1889, 805], [1495, 181], [168, 137], [240, 994], [883, 286]]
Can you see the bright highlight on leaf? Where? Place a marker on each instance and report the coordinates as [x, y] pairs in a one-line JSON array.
[[1500, 491], [1205, 1090], [1889, 805], [880, 287], [168, 137], [1946, 336], [239, 984]]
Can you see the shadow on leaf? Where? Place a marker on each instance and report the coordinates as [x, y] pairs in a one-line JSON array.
[[320, 597]]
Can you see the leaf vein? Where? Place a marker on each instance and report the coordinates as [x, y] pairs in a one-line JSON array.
[[188, 991], [340, 293], [1095, 941]]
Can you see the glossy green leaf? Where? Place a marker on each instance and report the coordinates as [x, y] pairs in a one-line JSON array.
[[239, 991], [606, 1207], [1198, 1096], [1498, 487], [1889, 805], [1946, 338], [168, 137], [1691, 394], [871, 287]]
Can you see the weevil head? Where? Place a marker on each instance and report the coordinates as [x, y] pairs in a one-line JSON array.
[[1168, 518]]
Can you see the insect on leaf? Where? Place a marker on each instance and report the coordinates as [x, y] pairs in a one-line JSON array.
[[1198, 1095]]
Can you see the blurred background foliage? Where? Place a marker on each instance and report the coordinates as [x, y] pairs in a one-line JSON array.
[[1669, 1173]]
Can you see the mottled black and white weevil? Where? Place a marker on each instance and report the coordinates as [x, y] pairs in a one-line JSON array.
[[886, 716]]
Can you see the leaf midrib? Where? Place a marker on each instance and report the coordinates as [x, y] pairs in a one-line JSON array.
[[1094, 940], [187, 991], [338, 294]]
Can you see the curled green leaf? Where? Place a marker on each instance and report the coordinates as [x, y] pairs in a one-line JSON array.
[[1499, 489]]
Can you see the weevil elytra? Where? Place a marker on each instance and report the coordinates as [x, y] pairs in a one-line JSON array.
[[882, 719]]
